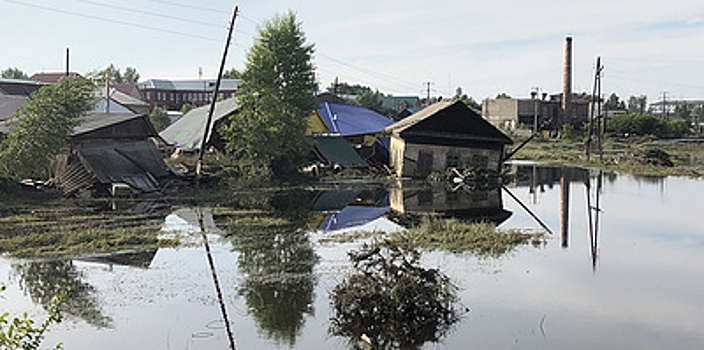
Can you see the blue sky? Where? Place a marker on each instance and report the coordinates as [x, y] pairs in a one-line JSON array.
[[485, 47]]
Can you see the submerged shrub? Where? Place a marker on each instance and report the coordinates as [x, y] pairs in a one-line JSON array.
[[391, 301]]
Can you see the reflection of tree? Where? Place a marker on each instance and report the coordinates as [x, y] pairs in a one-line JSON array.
[[277, 261], [43, 280], [392, 302]]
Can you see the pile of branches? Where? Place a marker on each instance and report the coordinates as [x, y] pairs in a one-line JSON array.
[[391, 302], [654, 157]]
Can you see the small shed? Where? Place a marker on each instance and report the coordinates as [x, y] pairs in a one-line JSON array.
[[443, 135], [110, 153]]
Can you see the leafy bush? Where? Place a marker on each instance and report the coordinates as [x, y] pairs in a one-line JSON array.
[[646, 124], [23, 332]]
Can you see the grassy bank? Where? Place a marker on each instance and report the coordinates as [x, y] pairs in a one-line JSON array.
[[620, 155]]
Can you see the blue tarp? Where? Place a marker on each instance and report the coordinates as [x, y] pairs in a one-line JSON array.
[[350, 120], [351, 216]]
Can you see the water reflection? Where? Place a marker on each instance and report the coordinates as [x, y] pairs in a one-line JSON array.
[[42, 281], [391, 302], [474, 205], [276, 260], [594, 214], [352, 208]]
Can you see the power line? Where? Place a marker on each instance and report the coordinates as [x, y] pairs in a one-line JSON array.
[[388, 78], [114, 21], [191, 7], [154, 14]]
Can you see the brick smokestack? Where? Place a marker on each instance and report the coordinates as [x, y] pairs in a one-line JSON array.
[[567, 84]]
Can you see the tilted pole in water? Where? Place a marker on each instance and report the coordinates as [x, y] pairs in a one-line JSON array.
[[213, 271], [199, 165]]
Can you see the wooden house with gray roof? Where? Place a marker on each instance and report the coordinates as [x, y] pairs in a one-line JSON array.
[[109, 153], [445, 135]]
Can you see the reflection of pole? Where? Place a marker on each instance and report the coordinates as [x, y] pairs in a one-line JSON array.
[[565, 205], [223, 310], [526, 209]]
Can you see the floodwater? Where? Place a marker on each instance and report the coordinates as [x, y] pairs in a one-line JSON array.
[[620, 269]]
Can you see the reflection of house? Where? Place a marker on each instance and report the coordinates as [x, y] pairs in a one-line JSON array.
[[444, 135], [187, 131], [111, 152], [173, 94], [135, 258], [461, 204]]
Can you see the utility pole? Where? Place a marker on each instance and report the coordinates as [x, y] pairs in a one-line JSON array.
[[595, 108], [67, 57], [427, 84], [334, 88], [199, 165], [665, 112]]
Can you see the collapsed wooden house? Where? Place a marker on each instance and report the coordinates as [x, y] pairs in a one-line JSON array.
[[111, 153], [445, 135]]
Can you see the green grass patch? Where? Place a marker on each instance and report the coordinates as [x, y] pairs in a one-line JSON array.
[[482, 239]]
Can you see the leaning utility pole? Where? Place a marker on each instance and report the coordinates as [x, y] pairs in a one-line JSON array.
[[199, 165], [595, 108]]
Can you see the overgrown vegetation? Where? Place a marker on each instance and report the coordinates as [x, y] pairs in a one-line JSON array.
[[646, 124], [629, 155], [391, 301], [23, 332], [482, 239]]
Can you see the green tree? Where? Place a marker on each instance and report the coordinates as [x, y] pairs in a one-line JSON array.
[[646, 124], [348, 89], [502, 95], [232, 74], [638, 104], [43, 127], [131, 76], [469, 101], [186, 107], [276, 98], [13, 73], [113, 75], [371, 100], [159, 117], [614, 103]]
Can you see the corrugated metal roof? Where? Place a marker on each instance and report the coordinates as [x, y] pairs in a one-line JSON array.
[[348, 120], [138, 164], [10, 104], [337, 150], [94, 121], [187, 131], [189, 85]]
